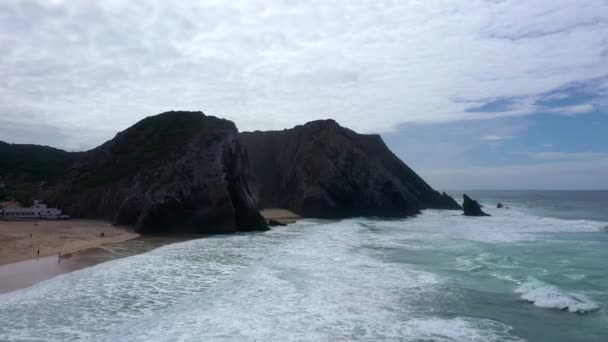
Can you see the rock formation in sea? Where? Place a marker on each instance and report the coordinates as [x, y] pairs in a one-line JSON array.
[[499, 205], [323, 170], [174, 172], [471, 207]]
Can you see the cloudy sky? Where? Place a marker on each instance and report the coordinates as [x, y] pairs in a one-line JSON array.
[[497, 94]]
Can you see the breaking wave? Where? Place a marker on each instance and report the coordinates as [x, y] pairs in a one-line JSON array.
[[360, 279], [291, 284], [551, 297]]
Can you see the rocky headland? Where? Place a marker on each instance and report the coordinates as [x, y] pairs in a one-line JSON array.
[[175, 172], [186, 172], [323, 170]]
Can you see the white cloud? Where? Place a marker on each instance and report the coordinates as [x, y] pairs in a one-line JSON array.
[[94, 67], [567, 155], [496, 138], [573, 110]]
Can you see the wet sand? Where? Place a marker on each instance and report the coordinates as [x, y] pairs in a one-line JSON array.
[[26, 273], [29, 272]]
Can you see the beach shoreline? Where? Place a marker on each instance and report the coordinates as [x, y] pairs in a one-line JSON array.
[[26, 273], [80, 245], [25, 240], [33, 251], [21, 240]]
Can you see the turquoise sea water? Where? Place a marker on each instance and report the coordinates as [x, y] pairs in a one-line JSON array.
[[534, 272], [570, 205]]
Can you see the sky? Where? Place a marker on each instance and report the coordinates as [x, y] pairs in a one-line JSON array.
[[472, 94]]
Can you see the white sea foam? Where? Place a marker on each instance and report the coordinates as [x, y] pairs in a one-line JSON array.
[[310, 281], [577, 277], [322, 286], [503, 227], [324, 282], [458, 329], [485, 261], [549, 296]]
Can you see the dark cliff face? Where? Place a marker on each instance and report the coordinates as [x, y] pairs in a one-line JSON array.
[[175, 172], [321, 169], [191, 173], [471, 207]]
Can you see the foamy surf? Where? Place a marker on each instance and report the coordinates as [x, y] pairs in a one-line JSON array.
[[323, 282], [458, 329], [551, 297], [505, 226], [436, 277]]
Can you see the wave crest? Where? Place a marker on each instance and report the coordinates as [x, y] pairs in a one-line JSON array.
[[550, 296]]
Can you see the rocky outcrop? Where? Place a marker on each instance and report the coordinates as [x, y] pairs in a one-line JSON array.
[[499, 205], [323, 170], [471, 207], [276, 223], [190, 173], [175, 172]]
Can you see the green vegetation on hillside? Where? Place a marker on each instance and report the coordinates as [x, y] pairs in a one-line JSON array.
[[25, 168]]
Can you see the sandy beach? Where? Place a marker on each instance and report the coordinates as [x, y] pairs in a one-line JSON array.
[[283, 215], [20, 240], [80, 245]]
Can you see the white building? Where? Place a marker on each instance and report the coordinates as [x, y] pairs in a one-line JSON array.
[[37, 211]]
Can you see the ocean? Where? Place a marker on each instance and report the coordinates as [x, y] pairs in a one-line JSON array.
[[533, 272]]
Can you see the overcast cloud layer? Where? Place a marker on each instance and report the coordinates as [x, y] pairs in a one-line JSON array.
[[76, 72], [100, 66]]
